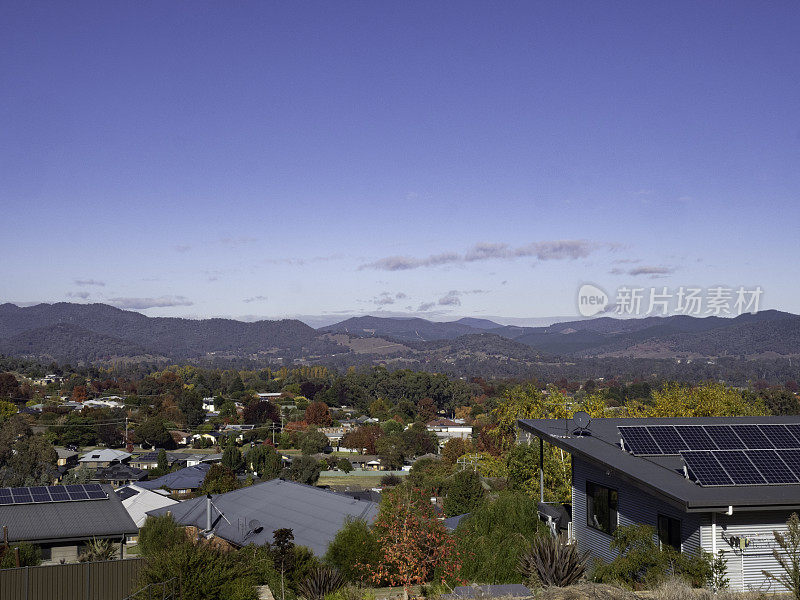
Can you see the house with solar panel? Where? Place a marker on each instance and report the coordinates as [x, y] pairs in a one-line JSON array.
[[716, 484], [61, 519]]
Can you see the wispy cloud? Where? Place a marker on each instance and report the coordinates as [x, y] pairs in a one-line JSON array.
[[181, 247], [237, 241], [85, 282], [82, 295], [651, 270], [143, 303], [552, 250], [453, 297], [387, 298], [255, 299], [654, 272]]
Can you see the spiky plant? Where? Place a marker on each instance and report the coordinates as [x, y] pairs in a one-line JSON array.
[[98, 550], [553, 561], [320, 582]]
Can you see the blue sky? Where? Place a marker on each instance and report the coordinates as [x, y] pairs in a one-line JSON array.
[[260, 159]]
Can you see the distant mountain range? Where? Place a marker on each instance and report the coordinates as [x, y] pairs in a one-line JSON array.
[[96, 332]]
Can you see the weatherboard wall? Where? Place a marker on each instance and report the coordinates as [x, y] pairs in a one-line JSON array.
[[635, 506], [745, 567]]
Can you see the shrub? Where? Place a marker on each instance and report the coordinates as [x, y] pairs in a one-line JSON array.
[[494, 536], [29, 555], [96, 549], [390, 480], [320, 582], [464, 493], [642, 564], [789, 557], [354, 548], [206, 573], [160, 533], [552, 561]]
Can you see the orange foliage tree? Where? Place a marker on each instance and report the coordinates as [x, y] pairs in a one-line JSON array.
[[415, 546]]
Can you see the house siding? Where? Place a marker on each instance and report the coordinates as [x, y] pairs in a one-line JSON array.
[[745, 566], [635, 506]]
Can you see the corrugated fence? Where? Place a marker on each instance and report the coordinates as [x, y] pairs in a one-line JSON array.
[[106, 580]]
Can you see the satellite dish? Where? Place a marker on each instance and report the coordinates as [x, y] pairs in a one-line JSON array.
[[581, 420], [255, 526]]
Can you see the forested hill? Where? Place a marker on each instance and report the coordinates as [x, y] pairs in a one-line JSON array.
[[66, 331], [96, 332], [762, 334]]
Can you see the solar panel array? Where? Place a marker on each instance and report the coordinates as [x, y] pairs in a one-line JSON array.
[[751, 454], [744, 467], [656, 440], [56, 493]]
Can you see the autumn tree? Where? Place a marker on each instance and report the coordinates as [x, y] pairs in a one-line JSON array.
[[413, 542], [364, 438], [317, 413], [706, 400], [9, 386], [426, 410], [258, 412], [455, 448]]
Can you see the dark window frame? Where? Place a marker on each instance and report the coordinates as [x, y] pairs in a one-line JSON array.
[[606, 499], [666, 530]]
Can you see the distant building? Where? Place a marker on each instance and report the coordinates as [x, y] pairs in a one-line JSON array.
[[445, 430], [182, 482], [118, 475], [62, 519], [103, 458]]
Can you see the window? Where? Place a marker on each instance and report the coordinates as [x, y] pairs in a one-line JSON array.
[[601, 507], [669, 532]]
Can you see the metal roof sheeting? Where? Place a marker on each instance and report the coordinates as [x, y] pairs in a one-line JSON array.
[[314, 515]]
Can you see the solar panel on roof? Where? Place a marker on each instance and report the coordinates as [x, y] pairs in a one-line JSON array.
[[739, 467], [752, 437], [705, 468], [769, 463], [667, 439], [695, 437], [638, 440], [792, 459], [794, 429], [724, 437], [780, 436], [44, 494]]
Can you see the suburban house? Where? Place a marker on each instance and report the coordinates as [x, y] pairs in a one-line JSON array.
[[238, 431], [713, 484], [61, 519], [66, 458], [181, 438], [138, 501], [103, 458], [118, 475], [249, 515], [366, 462], [445, 430], [180, 482]]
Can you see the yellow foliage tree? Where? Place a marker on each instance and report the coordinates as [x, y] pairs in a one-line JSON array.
[[707, 400]]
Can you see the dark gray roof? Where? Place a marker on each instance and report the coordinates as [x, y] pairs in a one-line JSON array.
[[507, 590], [452, 522], [189, 478], [662, 476], [119, 472], [77, 519], [314, 515]]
